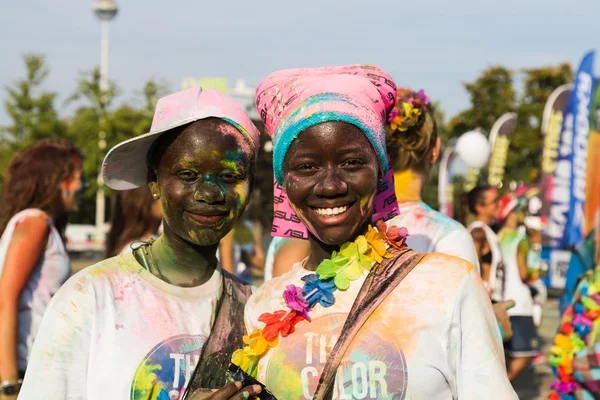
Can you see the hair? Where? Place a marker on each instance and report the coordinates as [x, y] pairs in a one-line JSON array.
[[412, 148], [34, 176], [477, 196], [132, 219]]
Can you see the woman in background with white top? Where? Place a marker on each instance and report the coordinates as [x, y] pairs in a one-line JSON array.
[[414, 148], [515, 245], [41, 188]]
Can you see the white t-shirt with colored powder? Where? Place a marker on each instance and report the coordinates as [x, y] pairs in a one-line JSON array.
[[435, 337], [431, 231], [115, 331]]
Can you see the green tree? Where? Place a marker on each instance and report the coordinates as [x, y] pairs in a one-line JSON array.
[[491, 95], [95, 115], [31, 110]]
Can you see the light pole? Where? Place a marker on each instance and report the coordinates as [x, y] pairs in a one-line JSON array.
[[105, 10]]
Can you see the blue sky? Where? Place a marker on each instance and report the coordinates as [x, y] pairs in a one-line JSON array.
[[430, 44]]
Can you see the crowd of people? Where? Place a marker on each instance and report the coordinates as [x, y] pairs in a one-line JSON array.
[[364, 291]]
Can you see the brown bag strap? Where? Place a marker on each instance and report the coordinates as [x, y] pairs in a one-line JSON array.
[[225, 337], [380, 282]]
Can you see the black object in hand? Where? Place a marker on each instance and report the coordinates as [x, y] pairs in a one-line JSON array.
[[236, 374]]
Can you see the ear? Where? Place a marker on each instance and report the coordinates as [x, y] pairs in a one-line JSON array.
[[154, 190], [435, 154]]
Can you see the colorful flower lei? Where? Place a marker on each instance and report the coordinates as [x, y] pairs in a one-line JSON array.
[[332, 274], [577, 328], [413, 108]]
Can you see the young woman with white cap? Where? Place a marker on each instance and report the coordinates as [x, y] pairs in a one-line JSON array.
[[136, 326]]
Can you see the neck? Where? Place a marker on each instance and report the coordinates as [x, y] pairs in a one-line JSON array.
[[319, 251], [484, 219], [408, 185], [182, 263]]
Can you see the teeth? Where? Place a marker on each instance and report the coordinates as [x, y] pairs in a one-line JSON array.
[[331, 211]]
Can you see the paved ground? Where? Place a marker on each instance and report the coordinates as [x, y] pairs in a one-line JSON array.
[[534, 383]]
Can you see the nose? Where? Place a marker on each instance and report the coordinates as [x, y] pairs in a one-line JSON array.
[[208, 191], [331, 183]]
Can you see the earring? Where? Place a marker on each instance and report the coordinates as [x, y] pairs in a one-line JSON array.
[[156, 196]]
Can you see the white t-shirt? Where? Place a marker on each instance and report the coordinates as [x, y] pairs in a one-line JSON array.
[[115, 331], [514, 288], [431, 231], [435, 337], [48, 275]]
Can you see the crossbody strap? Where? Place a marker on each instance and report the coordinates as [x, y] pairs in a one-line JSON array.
[[380, 282], [225, 337]]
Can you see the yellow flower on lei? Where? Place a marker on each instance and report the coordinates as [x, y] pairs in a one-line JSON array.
[[376, 249], [258, 343], [246, 360]]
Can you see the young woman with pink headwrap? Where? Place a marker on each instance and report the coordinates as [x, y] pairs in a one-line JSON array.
[[362, 316]]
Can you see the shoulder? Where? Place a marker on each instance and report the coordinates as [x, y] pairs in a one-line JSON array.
[[105, 273], [421, 215], [32, 219], [446, 266]]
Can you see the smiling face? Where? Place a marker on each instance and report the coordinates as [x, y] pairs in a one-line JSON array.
[[330, 177], [204, 180]]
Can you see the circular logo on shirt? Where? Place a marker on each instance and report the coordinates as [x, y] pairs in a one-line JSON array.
[[373, 368], [167, 369]]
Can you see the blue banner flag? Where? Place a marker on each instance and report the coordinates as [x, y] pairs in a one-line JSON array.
[[566, 222]]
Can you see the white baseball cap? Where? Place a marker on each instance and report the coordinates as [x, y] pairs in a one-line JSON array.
[[126, 165]]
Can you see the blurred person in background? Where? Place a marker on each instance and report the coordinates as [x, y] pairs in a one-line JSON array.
[[241, 250], [536, 267], [413, 145], [42, 186], [515, 246], [136, 218], [283, 252], [483, 202], [582, 260]]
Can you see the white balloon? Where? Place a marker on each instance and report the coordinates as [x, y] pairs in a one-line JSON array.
[[473, 148]]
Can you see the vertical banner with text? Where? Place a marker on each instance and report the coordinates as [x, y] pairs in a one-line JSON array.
[[565, 226], [499, 143]]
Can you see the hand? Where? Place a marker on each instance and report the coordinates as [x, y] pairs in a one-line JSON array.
[[233, 391], [503, 318]]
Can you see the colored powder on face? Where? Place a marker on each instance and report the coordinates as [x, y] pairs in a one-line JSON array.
[[228, 130], [236, 161]]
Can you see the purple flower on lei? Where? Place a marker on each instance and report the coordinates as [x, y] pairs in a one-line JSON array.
[[295, 301], [318, 291]]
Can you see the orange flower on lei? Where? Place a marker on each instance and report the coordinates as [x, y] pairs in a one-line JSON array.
[[376, 250]]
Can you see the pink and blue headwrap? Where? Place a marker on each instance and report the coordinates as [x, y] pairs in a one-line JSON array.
[[291, 101]]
